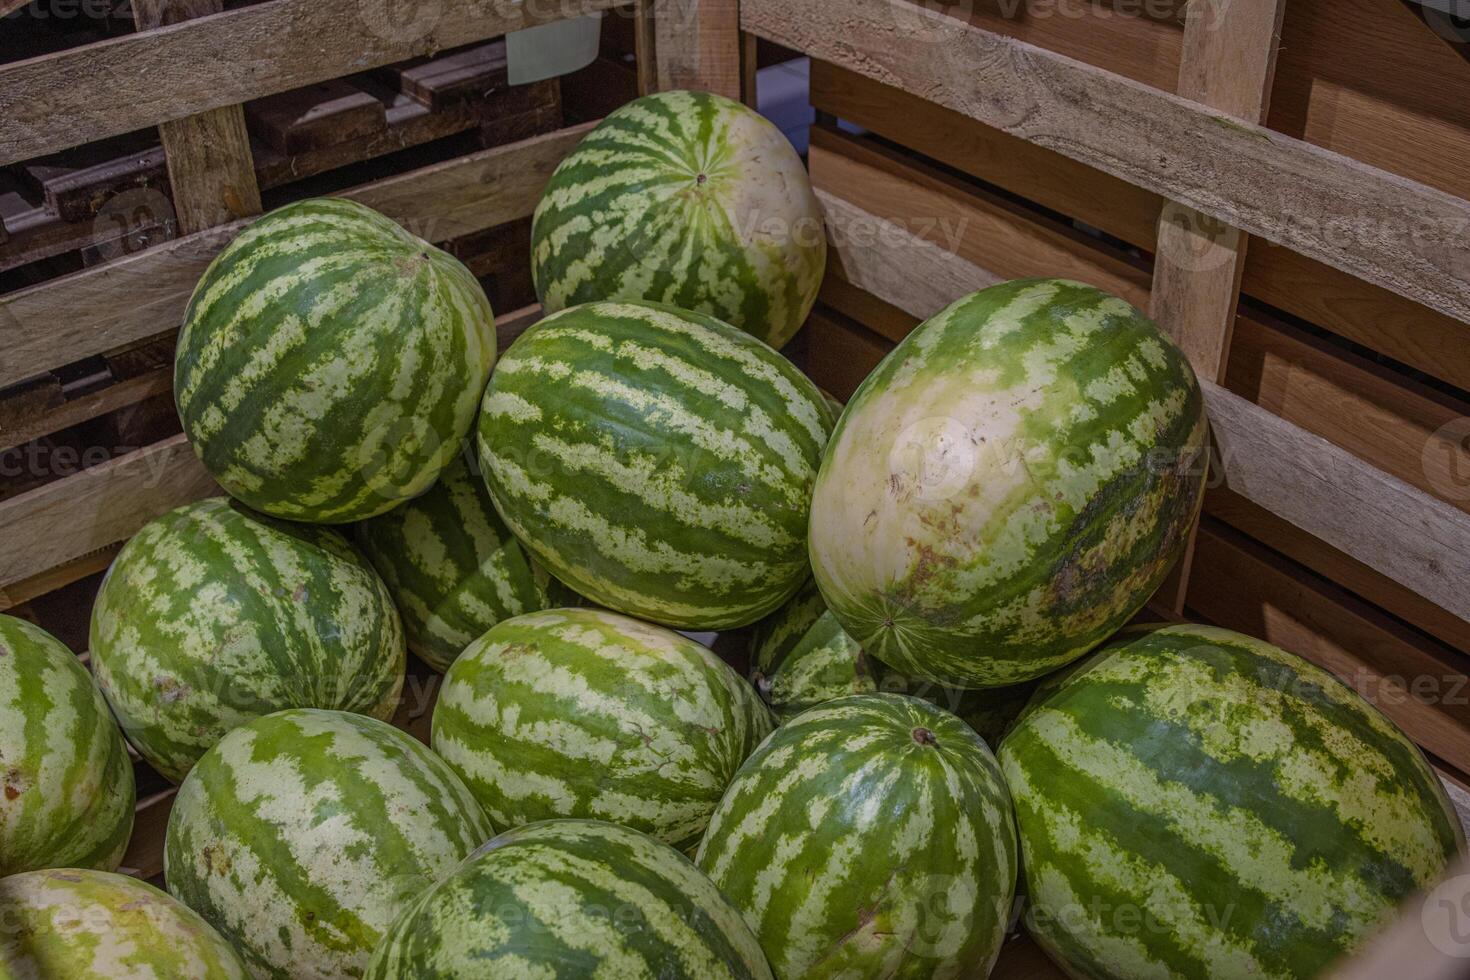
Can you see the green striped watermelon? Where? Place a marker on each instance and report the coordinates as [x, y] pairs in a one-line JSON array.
[[1010, 485], [303, 834], [685, 198], [72, 924], [66, 785], [212, 615], [659, 462], [330, 362], [452, 566], [571, 898], [869, 837], [586, 713], [1196, 803]]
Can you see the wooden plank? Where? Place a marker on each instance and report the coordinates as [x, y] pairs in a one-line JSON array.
[[697, 46], [440, 82], [76, 194], [316, 116], [645, 33], [50, 102], [72, 317], [1402, 235], [841, 352], [54, 578], [89, 406], [144, 856]]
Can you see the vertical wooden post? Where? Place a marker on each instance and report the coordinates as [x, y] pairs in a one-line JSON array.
[[645, 49], [698, 45], [749, 65], [1227, 62], [210, 167]]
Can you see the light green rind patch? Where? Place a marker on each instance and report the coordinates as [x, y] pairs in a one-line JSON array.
[[76, 924], [213, 615], [301, 835], [586, 713], [452, 566], [1195, 803], [66, 785], [330, 363], [571, 899], [658, 461], [870, 836], [689, 199], [1010, 485]]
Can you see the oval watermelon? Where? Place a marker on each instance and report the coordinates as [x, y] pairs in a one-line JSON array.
[[1193, 802], [452, 566], [67, 799], [586, 713], [1010, 485], [685, 198], [92, 925], [571, 898], [659, 462], [869, 837], [330, 363], [301, 835], [212, 615]]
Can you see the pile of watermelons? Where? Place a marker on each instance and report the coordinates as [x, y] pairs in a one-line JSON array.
[[956, 553]]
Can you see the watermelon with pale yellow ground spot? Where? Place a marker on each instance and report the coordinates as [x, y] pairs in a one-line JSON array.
[[587, 713], [303, 834], [1193, 802], [73, 924], [330, 362], [66, 784], [870, 836], [212, 615], [1010, 485], [657, 461], [689, 199]]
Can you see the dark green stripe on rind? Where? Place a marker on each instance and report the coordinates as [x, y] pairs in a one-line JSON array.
[[301, 835], [689, 199], [585, 713], [571, 898], [1196, 802], [658, 461], [330, 363], [1010, 485], [870, 836], [452, 566], [213, 615], [66, 785]]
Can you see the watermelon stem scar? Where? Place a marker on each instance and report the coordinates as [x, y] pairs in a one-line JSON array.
[[924, 736]]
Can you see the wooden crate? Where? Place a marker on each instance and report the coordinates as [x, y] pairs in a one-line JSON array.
[[1282, 184]]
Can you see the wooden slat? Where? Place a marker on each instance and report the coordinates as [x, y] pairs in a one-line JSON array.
[[54, 578], [644, 45], [50, 102], [697, 46], [90, 406], [144, 856], [78, 315], [316, 117], [1402, 235]]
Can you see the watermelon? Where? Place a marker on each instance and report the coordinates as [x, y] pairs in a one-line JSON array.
[[870, 836], [330, 363], [452, 566], [571, 898], [212, 615], [685, 198], [1196, 803], [1010, 485], [659, 462], [301, 835], [586, 713], [66, 785], [81, 924]]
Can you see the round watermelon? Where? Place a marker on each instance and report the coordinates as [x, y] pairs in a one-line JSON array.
[[689, 199], [212, 615], [92, 925], [330, 363], [1010, 485], [452, 566], [586, 713], [658, 461], [66, 785], [869, 837], [301, 835], [571, 898], [1195, 803]]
